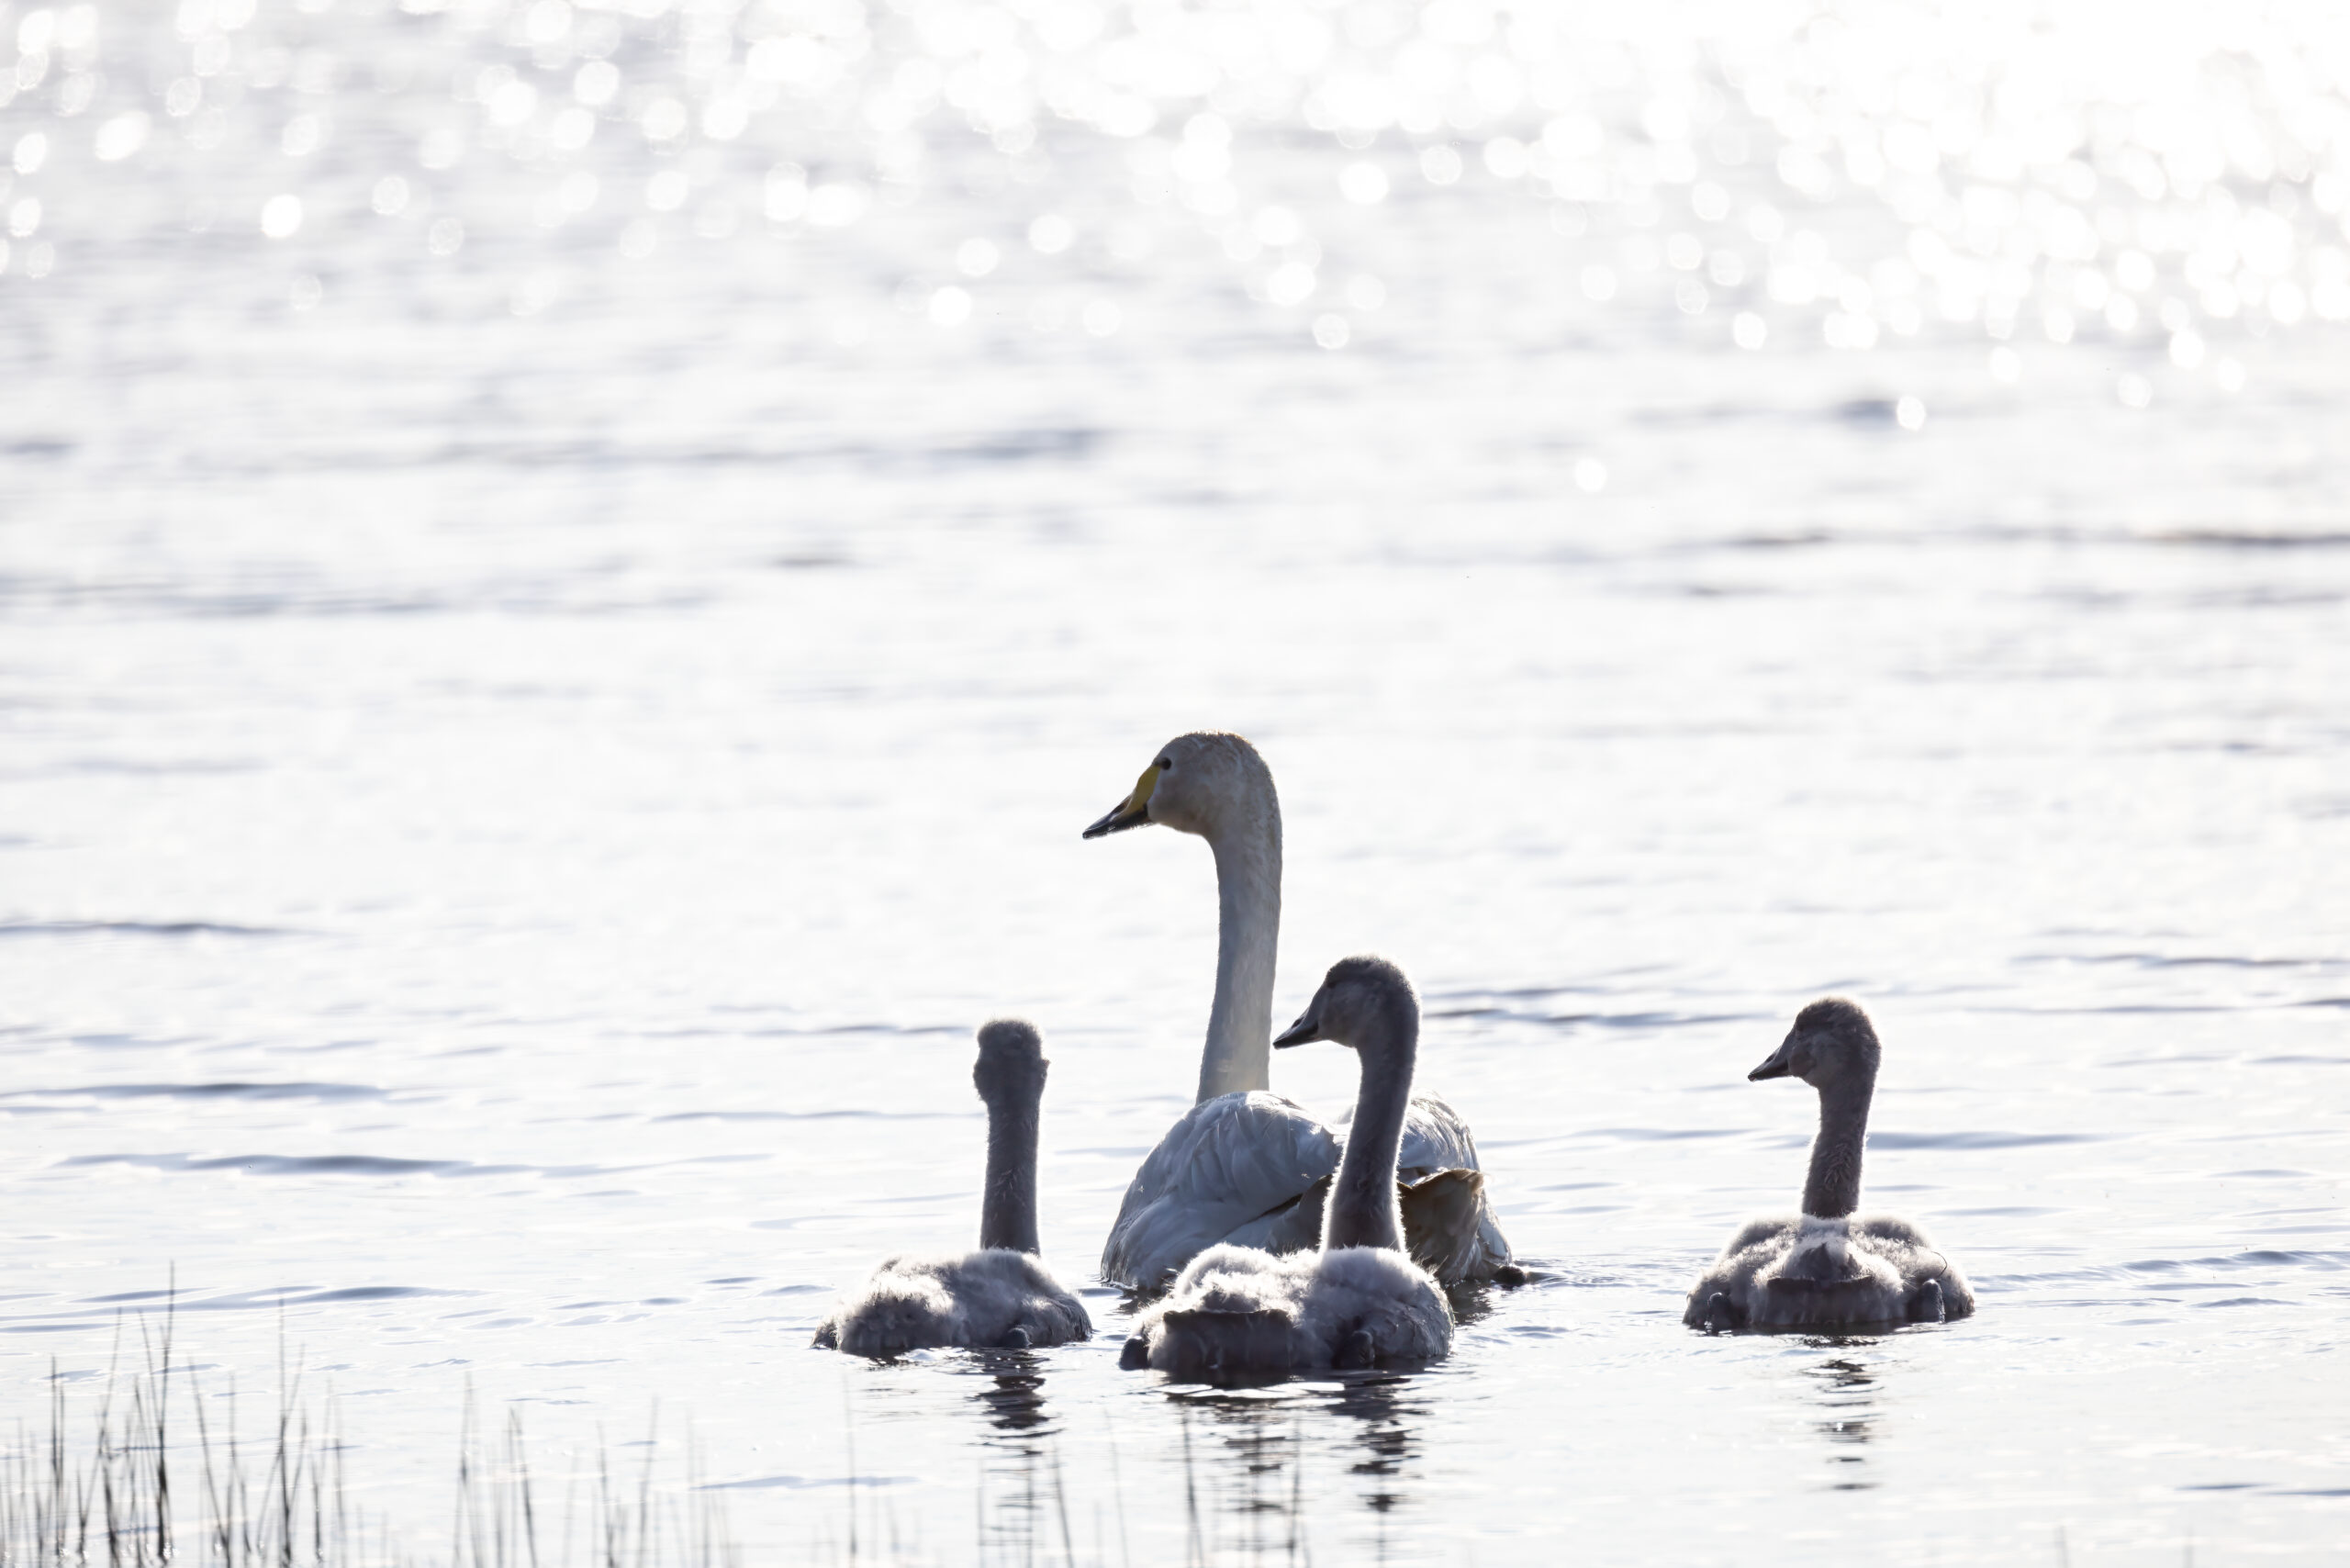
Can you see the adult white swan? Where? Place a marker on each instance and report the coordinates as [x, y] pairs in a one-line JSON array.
[[1237, 1313], [1245, 1165], [1823, 1267], [1000, 1297]]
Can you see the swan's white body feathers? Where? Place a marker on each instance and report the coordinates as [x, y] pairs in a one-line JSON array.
[[1252, 1169], [974, 1302], [1803, 1271], [1237, 1313], [1233, 1168]]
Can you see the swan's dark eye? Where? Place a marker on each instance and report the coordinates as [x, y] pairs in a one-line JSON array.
[[1165, 766]]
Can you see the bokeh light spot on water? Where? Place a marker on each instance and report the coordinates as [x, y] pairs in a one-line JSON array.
[[537, 291], [1591, 476], [121, 136], [1050, 234], [950, 307], [976, 258], [1276, 226], [664, 119], [836, 206], [281, 216], [596, 83], [1910, 413], [1363, 184]]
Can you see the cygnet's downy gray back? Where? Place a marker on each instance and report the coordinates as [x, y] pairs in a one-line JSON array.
[[1824, 1268]]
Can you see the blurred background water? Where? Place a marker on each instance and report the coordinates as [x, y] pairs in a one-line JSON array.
[[571, 573]]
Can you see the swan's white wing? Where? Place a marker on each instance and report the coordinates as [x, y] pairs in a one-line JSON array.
[[1434, 1138], [1230, 1161], [1468, 1243]]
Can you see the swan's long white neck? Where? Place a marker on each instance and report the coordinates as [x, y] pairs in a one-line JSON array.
[[1363, 1209], [1248, 926]]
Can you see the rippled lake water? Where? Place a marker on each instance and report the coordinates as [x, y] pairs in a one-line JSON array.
[[571, 574]]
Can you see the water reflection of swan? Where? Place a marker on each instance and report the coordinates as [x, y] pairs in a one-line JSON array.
[[1239, 1313], [1389, 1439], [1245, 1165], [1848, 1389], [1000, 1296], [1824, 1268], [1021, 1488], [1265, 1474], [1014, 1402]]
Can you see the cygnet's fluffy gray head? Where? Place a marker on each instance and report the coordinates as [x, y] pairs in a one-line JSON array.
[[1196, 783], [1832, 1042], [1012, 1061], [1357, 997]]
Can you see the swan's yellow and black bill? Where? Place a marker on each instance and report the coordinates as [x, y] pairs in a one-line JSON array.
[[1132, 812]]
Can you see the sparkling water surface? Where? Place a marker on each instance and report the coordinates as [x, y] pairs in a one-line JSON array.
[[571, 574]]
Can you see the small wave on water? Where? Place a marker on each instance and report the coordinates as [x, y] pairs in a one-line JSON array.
[[1571, 1022], [293, 1091], [1656, 1135], [381, 1166], [95, 1312], [843, 1115], [139, 928], [803, 1483], [1978, 1140], [302, 1165]]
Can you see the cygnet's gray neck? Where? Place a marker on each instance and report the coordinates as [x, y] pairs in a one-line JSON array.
[[1833, 1190], [1008, 1202], [1363, 1210], [1248, 926]]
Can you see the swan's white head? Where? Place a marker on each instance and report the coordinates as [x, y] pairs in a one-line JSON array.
[[1832, 1042], [1012, 1065], [1364, 1002], [1203, 783]]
